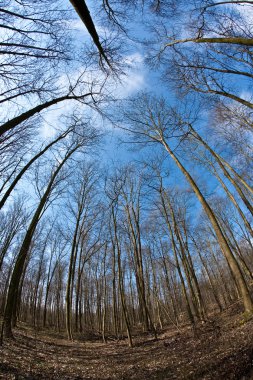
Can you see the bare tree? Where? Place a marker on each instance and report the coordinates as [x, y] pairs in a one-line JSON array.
[[18, 270], [154, 122], [213, 53]]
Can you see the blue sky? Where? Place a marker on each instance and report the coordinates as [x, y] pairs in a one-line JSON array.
[[138, 78]]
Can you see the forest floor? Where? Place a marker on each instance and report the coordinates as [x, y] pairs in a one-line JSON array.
[[221, 349]]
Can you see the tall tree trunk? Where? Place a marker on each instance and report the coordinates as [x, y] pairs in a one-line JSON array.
[[120, 280], [244, 291], [10, 309], [225, 172]]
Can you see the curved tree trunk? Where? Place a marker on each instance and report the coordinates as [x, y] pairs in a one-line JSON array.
[[11, 302], [226, 173], [235, 268], [27, 166]]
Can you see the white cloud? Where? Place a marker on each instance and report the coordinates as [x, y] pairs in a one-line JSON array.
[[246, 95], [78, 24], [245, 10], [135, 77], [134, 59], [133, 81]]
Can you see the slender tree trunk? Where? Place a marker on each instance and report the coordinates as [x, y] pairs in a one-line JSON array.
[[27, 166], [10, 309], [120, 280], [244, 292], [225, 172], [235, 203]]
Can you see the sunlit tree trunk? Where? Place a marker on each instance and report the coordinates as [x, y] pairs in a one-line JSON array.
[[120, 280], [235, 268], [226, 173], [10, 309]]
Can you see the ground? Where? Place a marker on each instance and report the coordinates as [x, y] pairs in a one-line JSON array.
[[222, 348]]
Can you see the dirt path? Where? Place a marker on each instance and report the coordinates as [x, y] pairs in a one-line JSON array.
[[223, 349]]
